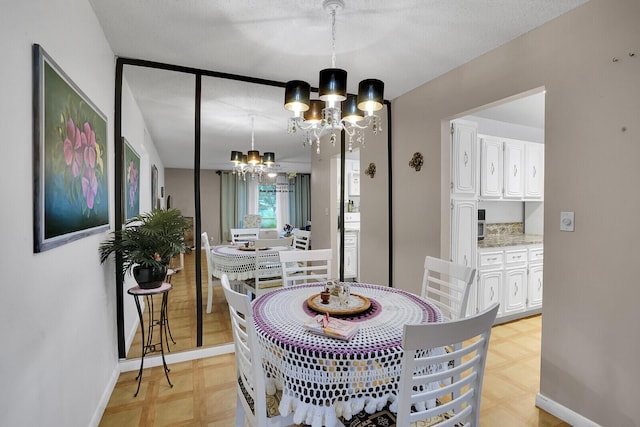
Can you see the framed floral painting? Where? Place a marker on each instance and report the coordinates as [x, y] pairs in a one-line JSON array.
[[71, 193], [155, 200], [131, 180]]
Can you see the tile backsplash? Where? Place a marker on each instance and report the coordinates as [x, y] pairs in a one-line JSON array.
[[504, 228]]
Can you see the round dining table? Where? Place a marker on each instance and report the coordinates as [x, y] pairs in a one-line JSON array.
[[237, 261], [323, 378]]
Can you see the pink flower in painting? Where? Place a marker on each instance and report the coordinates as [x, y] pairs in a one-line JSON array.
[[132, 173], [68, 142], [72, 147], [89, 186], [76, 164], [81, 155]]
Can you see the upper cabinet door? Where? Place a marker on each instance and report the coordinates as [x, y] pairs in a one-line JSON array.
[[513, 161], [534, 171], [464, 145], [490, 167]]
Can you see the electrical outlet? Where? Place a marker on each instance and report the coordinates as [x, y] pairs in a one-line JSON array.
[[567, 220]]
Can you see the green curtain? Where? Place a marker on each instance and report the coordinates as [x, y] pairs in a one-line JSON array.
[[300, 200], [233, 203]]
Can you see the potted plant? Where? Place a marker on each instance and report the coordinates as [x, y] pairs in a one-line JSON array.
[[147, 243]]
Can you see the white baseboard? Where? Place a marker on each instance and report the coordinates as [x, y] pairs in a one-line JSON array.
[[127, 365], [562, 412], [104, 399]]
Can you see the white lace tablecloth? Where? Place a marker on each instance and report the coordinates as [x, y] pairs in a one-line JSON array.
[[235, 263], [323, 378]]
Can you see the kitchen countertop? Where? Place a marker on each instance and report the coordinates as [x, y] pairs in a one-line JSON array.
[[501, 240]]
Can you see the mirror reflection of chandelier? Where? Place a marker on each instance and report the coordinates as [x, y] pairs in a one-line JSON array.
[[334, 111], [252, 163]]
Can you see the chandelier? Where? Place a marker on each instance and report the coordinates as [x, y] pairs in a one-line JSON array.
[[251, 163], [335, 110]]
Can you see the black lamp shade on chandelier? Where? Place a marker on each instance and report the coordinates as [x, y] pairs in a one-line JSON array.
[[333, 84], [313, 114], [350, 110], [333, 87], [296, 96], [269, 158], [370, 95]]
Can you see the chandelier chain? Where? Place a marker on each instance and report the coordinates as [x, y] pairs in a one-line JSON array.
[[333, 37], [252, 131]]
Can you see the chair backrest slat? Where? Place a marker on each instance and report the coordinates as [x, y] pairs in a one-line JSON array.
[[302, 239], [437, 383], [242, 235], [448, 285], [313, 265]]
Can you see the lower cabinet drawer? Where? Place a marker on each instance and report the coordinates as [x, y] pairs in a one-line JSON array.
[[515, 257], [490, 259]]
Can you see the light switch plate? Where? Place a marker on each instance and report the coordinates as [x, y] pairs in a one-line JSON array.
[[567, 220]]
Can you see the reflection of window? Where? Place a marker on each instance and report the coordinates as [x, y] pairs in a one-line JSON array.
[[267, 205]]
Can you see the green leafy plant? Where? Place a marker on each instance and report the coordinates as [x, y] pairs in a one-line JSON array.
[[150, 239]]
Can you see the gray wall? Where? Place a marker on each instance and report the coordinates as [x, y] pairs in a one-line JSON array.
[[589, 344], [179, 185]]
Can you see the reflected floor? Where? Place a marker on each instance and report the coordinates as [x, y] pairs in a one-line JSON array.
[[181, 310]]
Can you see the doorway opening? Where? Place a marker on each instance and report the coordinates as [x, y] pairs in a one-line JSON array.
[[497, 203]]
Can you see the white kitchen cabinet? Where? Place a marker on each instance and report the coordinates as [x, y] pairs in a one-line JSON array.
[[491, 159], [511, 276], [464, 158], [513, 162], [535, 279], [534, 171], [351, 255], [515, 288], [464, 232], [490, 289], [490, 278]]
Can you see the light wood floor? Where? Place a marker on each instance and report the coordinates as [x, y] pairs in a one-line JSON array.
[[204, 390]]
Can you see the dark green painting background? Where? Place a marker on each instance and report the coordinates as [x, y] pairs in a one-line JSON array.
[[63, 211]]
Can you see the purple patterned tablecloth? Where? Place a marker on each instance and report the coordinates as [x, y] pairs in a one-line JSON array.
[[323, 378]]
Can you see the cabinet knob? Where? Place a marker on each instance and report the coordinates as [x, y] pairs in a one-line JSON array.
[[466, 158]]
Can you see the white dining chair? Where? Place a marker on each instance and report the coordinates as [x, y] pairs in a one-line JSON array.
[[251, 403], [213, 281], [298, 267], [447, 285], [243, 235], [267, 274], [427, 377], [302, 240]]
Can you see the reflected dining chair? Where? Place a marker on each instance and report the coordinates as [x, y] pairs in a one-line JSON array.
[[313, 265], [243, 235], [267, 274], [302, 240], [251, 405], [458, 398], [447, 285], [213, 281], [251, 221]]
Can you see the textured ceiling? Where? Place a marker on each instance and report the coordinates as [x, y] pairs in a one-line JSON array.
[[405, 43]]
